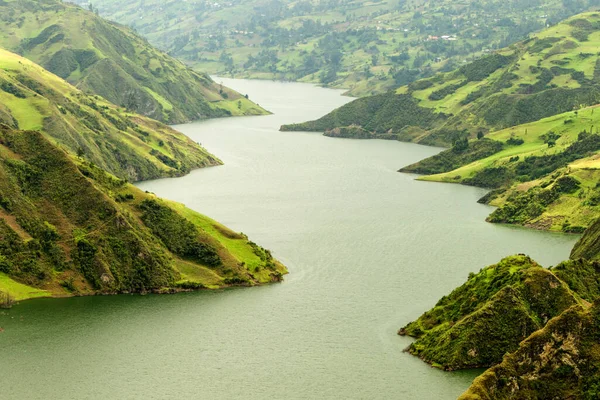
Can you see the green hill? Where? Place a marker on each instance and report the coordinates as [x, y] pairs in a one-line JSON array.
[[67, 227], [545, 174], [522, 122], [495, 310], [536, 328], [112, 61], [123, 143], [558, 362], [553, 72], [366, 46], [588, 246]]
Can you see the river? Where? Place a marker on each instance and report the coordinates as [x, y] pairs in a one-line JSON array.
[[368, 249]]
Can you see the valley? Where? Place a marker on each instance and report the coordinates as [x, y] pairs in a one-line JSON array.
[[368, 47], [358, 247], [113, 152]]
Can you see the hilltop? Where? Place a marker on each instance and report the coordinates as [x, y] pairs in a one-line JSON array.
[[368, 47], [536, 328], [497, 308], [110, 60], [123, 143], [553, 72], [69, 228]]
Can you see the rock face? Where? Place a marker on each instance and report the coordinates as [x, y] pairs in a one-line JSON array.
[[561, 361], [353, 132]]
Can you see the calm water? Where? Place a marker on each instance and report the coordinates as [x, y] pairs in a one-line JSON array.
[[368, 249]]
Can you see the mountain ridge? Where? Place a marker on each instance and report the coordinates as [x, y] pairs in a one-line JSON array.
[[128, 145], [110, 60]]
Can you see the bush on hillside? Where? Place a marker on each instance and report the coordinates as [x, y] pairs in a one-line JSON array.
[[178, 234]]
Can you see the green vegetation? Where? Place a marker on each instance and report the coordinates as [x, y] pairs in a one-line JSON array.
[[548, 74], [367, 46], [588, 247], [560, 361], [112, 61], [522, 121], [177, 233], [125, 144], [378, 115], [493, 312], [67, 227], [462, 152]]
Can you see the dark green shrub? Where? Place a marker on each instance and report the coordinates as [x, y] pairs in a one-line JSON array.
[[567, 184], [178, 234], [513, 141], [484, 67], [446, 91], [11, 88]]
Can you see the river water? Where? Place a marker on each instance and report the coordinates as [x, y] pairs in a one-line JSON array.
[[368, 249]]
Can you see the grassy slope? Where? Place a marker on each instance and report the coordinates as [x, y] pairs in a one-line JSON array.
[[516, 85], [588, 246], [67, 227], [370, 35], [493, 312], [537, 328], [112, 61], [517, 160], [570, 211], [126, 144]]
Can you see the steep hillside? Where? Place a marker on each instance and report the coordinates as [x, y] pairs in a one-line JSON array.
[[496, 309], [112, 61], [125, 144], [558, 362], [367, 46], [67, 227], [553, 72], [588, 247]]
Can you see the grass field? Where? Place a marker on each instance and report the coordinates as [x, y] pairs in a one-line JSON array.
[[19, 291]]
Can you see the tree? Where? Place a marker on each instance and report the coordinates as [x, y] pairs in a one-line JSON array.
[[480, 135], [131, 103], [460, 145], [6, 300]]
